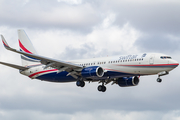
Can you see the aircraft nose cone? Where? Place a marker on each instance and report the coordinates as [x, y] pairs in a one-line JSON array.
[[174, 63], [177, 64]]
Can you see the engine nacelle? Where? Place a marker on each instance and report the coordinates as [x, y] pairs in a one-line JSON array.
[[126, 82], [93, 71]]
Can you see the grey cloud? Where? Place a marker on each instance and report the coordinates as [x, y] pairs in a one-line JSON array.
[[155, 17], [158, 43], [95, 115], [86, 51], [155, 20], [70, 53], [48, 14]]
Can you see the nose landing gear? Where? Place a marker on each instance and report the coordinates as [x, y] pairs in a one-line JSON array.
[[159, 80], [161, 74]]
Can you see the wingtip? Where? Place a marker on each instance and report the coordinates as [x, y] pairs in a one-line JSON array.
[[4, 42], [1, 36]]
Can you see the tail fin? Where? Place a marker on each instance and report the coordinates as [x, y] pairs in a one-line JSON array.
[[26, 46]]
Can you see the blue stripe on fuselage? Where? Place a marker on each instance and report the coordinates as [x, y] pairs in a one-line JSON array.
[[61, 77]]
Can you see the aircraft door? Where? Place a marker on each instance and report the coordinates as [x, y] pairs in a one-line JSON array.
[[151, 59]]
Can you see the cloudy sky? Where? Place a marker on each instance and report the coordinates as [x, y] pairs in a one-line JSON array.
[[74, 29]]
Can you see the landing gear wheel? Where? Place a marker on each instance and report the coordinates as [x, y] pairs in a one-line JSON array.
[[80, 83], [101, 88], [104, 89], [159, 80]]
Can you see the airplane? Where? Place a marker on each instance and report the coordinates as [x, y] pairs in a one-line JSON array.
[[123, 70]]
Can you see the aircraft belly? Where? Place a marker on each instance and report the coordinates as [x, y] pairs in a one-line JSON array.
[[54, 77], [137, 70], [145, 70]]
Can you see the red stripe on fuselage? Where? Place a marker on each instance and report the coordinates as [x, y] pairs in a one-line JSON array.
[[42, 72], [23, 48]]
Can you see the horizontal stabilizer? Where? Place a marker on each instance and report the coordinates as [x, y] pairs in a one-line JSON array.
[[14, 66]]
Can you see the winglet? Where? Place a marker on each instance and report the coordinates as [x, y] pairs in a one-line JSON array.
[[4, 42]]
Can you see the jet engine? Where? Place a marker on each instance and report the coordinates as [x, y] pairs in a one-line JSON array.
[[128, 81], [93, 71]]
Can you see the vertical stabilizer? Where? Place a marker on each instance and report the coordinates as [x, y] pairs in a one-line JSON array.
[[26, 46]]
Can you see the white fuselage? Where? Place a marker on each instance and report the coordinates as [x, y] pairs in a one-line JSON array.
[[152, 63], [117, 66]]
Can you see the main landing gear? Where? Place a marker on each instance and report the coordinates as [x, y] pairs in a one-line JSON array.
[[101, 88], [80, 83]]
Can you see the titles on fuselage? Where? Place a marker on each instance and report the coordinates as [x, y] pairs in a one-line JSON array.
[[130, 57]]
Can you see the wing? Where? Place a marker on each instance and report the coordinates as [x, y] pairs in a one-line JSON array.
[[71, 68]]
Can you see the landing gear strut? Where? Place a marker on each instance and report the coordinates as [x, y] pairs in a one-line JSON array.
[[80, 83]]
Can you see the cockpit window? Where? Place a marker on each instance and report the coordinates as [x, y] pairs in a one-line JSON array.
[[165, 57]]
